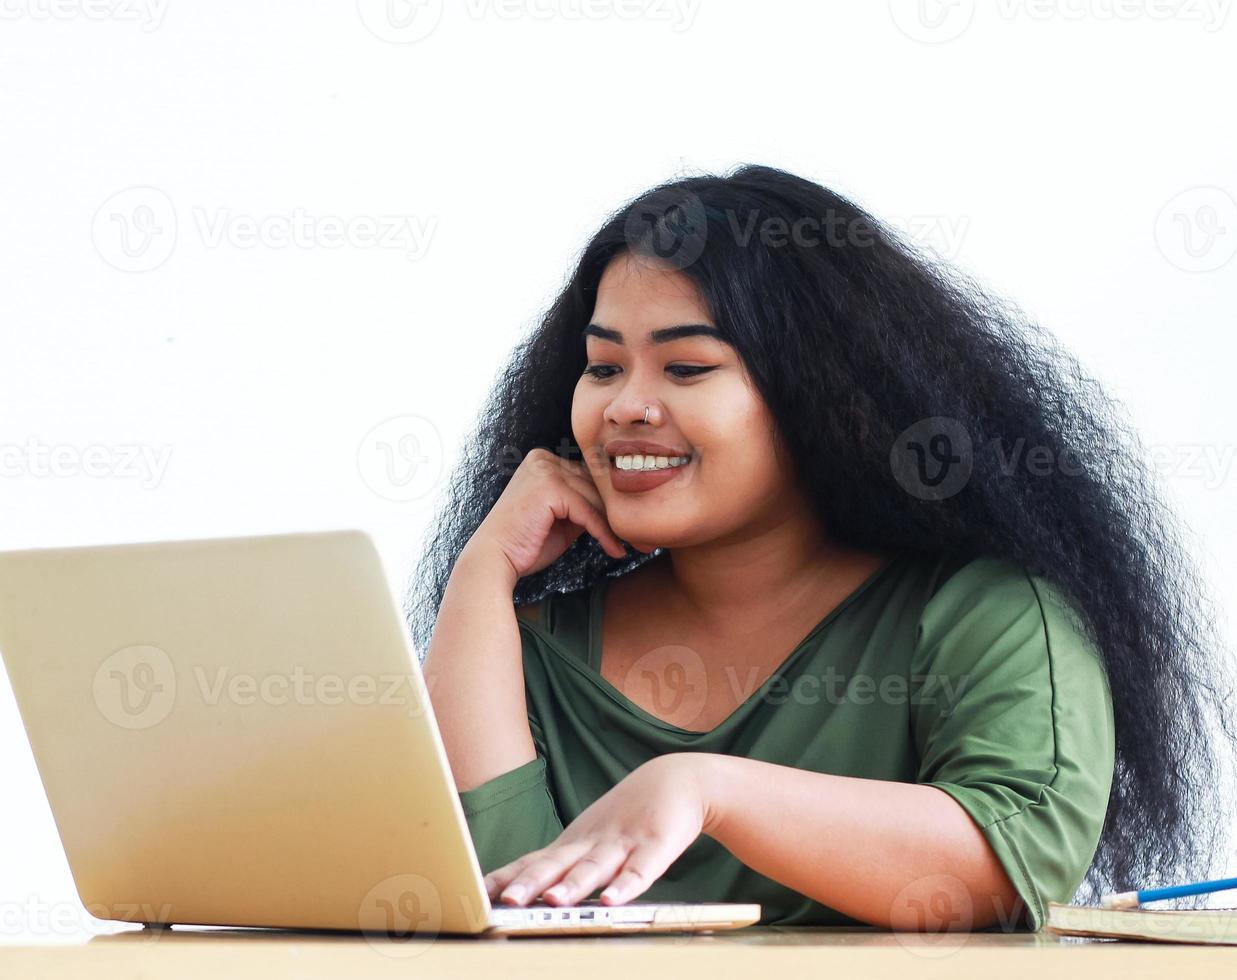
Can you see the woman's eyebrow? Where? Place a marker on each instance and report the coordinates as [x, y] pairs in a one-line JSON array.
[[662, 336]]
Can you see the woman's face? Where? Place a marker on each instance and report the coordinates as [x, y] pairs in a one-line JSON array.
[[701, 401]]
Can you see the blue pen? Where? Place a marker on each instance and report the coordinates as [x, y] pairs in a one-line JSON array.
[[1131, 900]]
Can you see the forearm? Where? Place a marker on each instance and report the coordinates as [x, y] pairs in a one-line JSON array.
[[475, 673], [886, 853]]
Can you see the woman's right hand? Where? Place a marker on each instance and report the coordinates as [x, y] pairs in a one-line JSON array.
[[549, 502]]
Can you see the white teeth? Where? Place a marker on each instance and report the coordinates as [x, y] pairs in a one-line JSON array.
[[639, 462]]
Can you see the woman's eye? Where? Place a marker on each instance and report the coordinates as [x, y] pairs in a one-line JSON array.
[[678, 370], [686, 370]]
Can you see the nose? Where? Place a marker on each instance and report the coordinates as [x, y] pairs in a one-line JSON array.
[[630, 411]]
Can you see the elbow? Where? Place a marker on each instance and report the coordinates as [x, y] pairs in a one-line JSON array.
[[998, 904], [946, 903]]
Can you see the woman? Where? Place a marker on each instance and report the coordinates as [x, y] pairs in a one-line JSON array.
[[834, 590]]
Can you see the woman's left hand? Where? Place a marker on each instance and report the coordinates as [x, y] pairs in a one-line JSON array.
[[626, 839]]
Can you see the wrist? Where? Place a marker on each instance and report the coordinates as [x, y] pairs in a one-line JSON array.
[[474, 561], [712, 774]]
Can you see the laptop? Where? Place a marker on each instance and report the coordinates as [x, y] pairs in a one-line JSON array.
[[236, 732]]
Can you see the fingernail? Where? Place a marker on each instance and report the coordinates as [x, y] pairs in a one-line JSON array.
[[514, 894], [610, 894], [558, 891]]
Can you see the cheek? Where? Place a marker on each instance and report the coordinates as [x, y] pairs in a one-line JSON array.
[[585, 416], [742, 473], [730, 424], [587, 426], [737, 448]]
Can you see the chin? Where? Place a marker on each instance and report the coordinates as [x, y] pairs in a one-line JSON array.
[[644, 545]]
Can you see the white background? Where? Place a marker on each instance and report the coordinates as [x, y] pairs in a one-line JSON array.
[[442, 171]]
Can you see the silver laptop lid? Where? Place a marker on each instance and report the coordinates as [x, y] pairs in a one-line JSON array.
[[235, 732]]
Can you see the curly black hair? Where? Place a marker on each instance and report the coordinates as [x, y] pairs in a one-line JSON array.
[[853, 335]]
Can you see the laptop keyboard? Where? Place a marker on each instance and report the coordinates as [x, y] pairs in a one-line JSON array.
[[583, 911]]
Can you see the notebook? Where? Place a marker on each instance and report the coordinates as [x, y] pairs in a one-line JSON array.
[[1216, 926]]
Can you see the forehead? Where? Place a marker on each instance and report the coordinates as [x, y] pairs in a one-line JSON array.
[[639, 302], [636, 289]]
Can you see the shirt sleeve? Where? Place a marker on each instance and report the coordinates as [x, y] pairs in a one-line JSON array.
[[513, 813], [1013, 719]]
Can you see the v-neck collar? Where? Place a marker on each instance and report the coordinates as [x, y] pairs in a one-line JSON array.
[[596, 607]]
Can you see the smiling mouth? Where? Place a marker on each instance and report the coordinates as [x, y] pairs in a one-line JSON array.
[[637, 463]]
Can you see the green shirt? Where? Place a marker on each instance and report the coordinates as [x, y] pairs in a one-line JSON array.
[[969, 676]]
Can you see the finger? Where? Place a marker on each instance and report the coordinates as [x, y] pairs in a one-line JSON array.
[[499, 878], [643, 866], [591, 467], [544, 871], [580, 481], [592, 520], [587, 490], [597, 867]]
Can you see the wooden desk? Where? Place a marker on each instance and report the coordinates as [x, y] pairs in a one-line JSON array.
[[756, 953]]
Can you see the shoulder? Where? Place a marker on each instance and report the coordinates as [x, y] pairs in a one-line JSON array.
[[993, 607], [987, 586], [1023, 668], [965, 582]]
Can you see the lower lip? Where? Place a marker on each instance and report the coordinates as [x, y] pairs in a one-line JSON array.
[[638, 481]]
